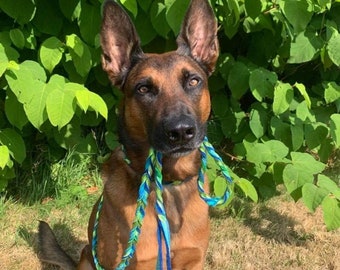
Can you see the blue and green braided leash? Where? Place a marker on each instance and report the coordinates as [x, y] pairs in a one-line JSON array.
[[153, 172]]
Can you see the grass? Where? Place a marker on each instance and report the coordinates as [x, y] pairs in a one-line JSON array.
[[275, 234]]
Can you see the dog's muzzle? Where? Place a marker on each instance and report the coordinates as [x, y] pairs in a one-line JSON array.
[[178, 135]]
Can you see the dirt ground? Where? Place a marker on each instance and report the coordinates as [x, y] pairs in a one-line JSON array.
[[277, 234]]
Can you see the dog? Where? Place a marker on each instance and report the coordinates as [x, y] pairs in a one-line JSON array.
[[166, 105]]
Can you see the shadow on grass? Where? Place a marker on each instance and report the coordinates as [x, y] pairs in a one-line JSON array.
[[66, 239], [266, 222], [276, 226]]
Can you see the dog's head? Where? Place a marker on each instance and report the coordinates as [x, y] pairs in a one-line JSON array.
[[166, 99]]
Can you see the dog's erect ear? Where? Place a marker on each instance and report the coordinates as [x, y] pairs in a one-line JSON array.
[[198, 36], [119, 41]]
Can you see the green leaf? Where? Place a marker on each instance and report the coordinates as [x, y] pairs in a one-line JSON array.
[[15, 111], [3, 60], [238, 79], [21, 11], [30, 38], [60, 104], [298, 136], [145, 4], [70, 8], [306, 162], [333, 48], [247, 188], [51, 52], [158, 18], [300, 172], [14, 143], [313, 196], [294, 178], [130, 5], [212, 169], [5, 39], [259, 153], [270, 151], [332, 92], [331, 212], [328, 184], [36, 107], [98, 104], [277, 170], [304, 113], [220, 186], [283, 96], [48, 18], [35, 70], [253, 8], [335, 128], [70, 135], [303, 92], [305, 47], [144, 28], [262, 82], [87, 99], [258, 121], [326, 149], [4, 156], [175, 13], [281, 130], [112, 140], [325, 4], [225, 63], [90, 19], [17, 38], [324, 57], [315, 134], [265, 185], [278, 150], [259, 42], [82, 95], [231, 17], [80, 54], [24, 80], [87, 145], [220, 105], [297, 13]]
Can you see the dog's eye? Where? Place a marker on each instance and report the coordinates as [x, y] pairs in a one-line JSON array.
[[193, 82], [143, 89], [107, 58]]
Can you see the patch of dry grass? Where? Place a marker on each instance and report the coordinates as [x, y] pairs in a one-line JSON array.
[[277, 234]]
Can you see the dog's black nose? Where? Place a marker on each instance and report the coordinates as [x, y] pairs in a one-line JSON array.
[[180, 132]]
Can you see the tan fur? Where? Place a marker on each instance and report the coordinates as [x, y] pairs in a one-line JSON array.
[[172, 101]]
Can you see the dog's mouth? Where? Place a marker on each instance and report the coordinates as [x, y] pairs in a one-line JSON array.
[[178, 151]]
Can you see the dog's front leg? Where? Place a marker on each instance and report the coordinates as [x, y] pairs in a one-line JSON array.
[[86, 259]]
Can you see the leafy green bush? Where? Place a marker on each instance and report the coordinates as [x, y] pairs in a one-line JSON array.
[[275, 92], [277, 96]]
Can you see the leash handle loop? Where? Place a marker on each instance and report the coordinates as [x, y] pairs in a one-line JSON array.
[[212, 201]]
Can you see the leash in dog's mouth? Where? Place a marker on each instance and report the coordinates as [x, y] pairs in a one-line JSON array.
[[153, 173]]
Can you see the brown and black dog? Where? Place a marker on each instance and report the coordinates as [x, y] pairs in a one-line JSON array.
[[166, 106]]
